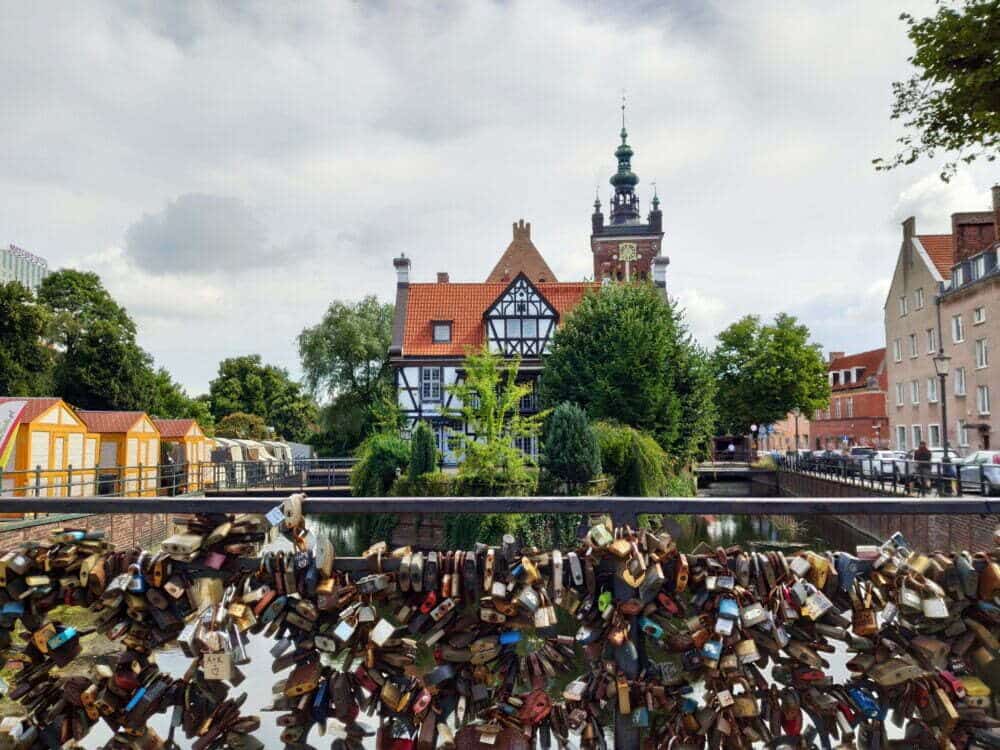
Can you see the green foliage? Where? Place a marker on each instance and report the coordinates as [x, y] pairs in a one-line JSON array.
[[624, 353], [24, 360], [346, 358], [381, 458], [170, 401], [242, 426], [490, 397], [952, 102], [245, 384], [640, 467], [765, 371], [570, 450], [100, 365], [423, 453]]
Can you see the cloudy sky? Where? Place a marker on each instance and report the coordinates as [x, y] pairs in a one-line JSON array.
[[231, 168]]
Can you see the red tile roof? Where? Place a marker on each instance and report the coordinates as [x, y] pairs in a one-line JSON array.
[[939, 248], [873, 361], [521, 256], [464, 305], [33, 409], [110, 421], [173, 428]]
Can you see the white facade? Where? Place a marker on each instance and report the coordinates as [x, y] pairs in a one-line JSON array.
[[20, 265]]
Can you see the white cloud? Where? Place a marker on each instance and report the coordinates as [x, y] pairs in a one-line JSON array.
[[329, 138], [933, 202]]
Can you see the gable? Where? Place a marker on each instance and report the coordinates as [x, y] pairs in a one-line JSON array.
[[521, 299]]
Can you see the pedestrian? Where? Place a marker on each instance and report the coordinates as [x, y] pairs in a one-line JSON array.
[[922, 456]]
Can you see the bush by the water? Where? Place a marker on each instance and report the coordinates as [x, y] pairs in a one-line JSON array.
[[423, 452], [639, 465], [380, 460]]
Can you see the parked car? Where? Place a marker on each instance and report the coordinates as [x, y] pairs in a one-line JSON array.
[[980, 472], [884, 464]]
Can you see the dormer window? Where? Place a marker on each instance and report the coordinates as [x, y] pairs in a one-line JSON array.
[[442, 331]]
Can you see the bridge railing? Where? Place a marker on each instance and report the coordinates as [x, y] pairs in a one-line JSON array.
[[900, 475]]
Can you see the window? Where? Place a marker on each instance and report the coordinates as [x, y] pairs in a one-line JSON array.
[[897, 350], [914, 391], [442, 332], [913, 345], [957, 329], [932, 390], [963, 434], [903, 306], [934, 436], [979, 315], [430, 383], [958, 276], [836, 408], [979, 267], [959, 381], [932, 342], [850, 408], [900, 438], [529, 402], [982, 353], [899, 394], [983, 399], [527, 445], [918, 435], [918, 299]]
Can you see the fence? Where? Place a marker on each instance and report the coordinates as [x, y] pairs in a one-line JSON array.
[[165, 480], [902, 476]]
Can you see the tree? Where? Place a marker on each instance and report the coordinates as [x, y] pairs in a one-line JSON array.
[[24, 360], [346, 357], [624, 354], [170, 401], [765, 371], [99, 364], [423, 452], [570, 449], [381, 459], [490, 399], [952, 102], [242, 426], [246, 384]]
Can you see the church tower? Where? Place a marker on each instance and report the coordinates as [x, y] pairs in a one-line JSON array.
[[626, 248]]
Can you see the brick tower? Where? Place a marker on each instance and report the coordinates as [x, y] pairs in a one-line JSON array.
[[625, 247]]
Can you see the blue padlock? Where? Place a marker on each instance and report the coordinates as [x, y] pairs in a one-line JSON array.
[[134, 701], [650, 628], [729, 609], [510, 636]]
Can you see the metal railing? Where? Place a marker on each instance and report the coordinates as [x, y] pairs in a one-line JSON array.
[[904, 476], [623, 510], [167, 480]]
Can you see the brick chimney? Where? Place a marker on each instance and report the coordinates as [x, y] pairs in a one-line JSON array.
[[442, 277], [402, 266], [836, 355], [522, 230]]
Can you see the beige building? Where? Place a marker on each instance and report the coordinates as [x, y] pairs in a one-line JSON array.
[[945, 295], [781, 435]]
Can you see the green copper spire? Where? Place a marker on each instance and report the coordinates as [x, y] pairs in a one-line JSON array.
[[624, 204]]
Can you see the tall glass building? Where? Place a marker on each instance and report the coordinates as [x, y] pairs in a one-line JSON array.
[[20, 265]]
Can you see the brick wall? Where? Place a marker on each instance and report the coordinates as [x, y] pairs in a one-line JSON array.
[[947, 533], [123, 530]]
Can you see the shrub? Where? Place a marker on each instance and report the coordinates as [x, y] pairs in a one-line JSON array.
[[638, 464], [570, 449], [423, 452], [381, 457]]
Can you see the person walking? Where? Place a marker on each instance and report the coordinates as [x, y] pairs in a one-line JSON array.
[[922, 455]]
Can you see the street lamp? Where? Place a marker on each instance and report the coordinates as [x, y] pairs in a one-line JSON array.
[[941, 365]]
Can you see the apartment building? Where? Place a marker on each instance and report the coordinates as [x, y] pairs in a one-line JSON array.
[[945, 296]]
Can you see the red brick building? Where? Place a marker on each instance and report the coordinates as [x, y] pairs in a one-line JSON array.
[[857, 411]]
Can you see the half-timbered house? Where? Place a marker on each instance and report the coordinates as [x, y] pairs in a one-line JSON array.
[[514, 313]]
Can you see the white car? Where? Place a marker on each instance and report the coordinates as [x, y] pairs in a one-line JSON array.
[[884, 464]]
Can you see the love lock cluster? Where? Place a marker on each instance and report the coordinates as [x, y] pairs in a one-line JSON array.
[[506, 647]]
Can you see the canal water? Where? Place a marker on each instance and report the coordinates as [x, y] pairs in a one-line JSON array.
[[714, 530]]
